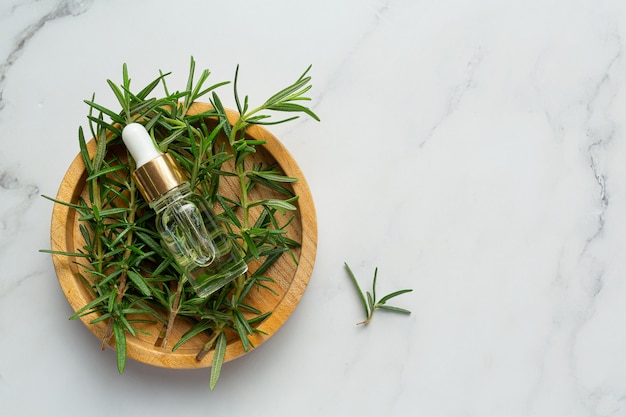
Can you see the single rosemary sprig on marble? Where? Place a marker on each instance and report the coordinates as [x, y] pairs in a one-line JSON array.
[[133, 279], [369, 301]]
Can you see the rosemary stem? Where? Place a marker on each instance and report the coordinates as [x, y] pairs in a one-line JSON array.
[[173, 313], [244, 196], [198, 160], [208, 345], [132, 205], [98, 230], [121, 282]]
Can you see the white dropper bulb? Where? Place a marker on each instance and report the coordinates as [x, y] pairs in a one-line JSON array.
[[139, 143]]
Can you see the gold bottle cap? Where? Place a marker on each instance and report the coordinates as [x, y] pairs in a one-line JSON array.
[[158, 176]]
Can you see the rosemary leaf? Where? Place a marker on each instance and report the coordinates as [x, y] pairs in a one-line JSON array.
[[243, 329], [120, 345], [358, 289], [393, 294], [120, 96], [218, 360], [62, 253], [151, 86], [115, 117], [89, 307], [140, 282], [84, 152], [395, 309], [194, 331]]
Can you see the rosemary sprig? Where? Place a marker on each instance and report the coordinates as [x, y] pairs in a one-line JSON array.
[[133, 279], [368, 300]]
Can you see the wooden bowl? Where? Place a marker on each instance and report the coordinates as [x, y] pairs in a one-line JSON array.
[[291, 278]]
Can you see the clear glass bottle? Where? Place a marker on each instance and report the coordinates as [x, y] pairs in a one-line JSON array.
[[200, 245], [188, 227]]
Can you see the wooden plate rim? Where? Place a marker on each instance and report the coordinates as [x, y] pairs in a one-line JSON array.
[[61, 237]]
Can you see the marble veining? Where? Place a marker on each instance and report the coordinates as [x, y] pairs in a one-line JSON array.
[[457, 93], [59, 9], [600, 136], [17, 200]]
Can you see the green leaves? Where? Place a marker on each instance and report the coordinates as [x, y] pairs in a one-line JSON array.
[[131, 276], [120, 345], [193, 90], [139, 282], [218, 359], [286, 100], [368, 300]]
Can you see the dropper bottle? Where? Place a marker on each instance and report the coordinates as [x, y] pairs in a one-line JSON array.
[[187, 225]]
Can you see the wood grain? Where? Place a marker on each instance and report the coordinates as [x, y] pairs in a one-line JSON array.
[[291, 278]]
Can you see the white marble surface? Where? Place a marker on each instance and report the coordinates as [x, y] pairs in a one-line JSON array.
[[473, 151]]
